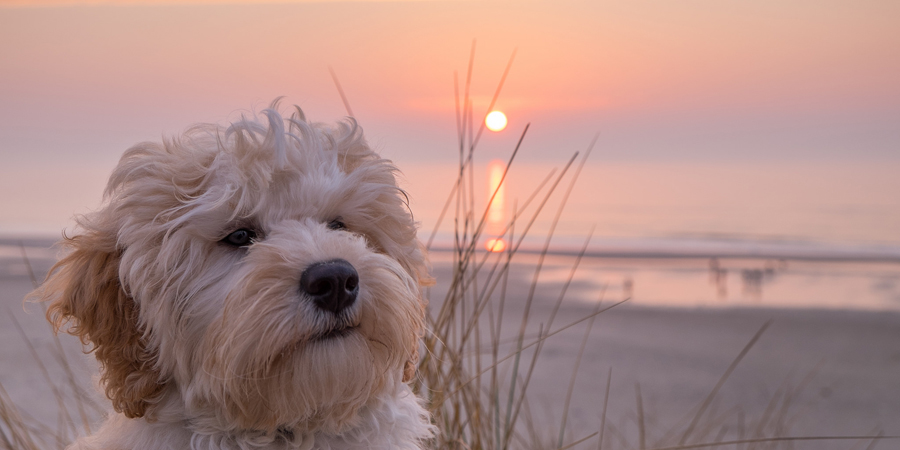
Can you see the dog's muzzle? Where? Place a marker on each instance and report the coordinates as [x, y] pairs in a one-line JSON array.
[[332, 285]]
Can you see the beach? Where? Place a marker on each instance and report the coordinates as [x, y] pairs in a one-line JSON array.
[[812, 372]]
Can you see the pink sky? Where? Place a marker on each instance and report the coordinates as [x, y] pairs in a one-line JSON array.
[[651, 75], [698, 80]]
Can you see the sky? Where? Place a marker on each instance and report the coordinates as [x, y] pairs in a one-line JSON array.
[[687, 82]]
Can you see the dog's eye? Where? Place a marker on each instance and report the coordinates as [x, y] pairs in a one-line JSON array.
[[336, 224], [240, 237]]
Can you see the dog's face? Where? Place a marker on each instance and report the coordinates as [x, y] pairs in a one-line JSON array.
[[267, 274]]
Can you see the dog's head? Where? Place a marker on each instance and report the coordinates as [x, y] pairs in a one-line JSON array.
[[268, 273]]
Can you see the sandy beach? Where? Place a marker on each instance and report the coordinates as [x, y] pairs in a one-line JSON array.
[[816, 372]]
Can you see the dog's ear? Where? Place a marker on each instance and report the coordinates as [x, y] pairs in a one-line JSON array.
[[85, 293]]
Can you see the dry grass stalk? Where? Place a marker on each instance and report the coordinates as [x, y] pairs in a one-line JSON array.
[[477, 407]]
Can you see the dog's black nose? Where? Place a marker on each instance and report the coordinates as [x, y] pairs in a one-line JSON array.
[[333, 285]]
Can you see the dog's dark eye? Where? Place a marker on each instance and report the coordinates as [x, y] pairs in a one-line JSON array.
[[240, 237], [336, 224]]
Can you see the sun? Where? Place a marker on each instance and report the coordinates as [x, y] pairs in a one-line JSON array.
[[495, 121], [495, 245]]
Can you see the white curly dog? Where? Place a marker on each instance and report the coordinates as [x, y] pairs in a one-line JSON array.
[[255, 286]]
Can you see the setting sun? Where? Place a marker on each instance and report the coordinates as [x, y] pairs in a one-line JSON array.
[[495, 245], [495, 121]]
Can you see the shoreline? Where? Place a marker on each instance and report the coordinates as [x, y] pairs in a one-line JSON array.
[[682, 281]]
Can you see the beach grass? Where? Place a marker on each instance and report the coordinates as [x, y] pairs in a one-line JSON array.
[[76, 407]]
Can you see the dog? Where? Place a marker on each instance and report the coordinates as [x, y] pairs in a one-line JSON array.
[[250, 286]]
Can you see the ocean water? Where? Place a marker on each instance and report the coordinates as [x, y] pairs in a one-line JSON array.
[[830, 203], [794, 235]]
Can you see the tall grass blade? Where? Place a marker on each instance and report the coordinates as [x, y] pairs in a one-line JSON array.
[[715, 390], [571, 389], [776, 439], [60, 399], [642, 433], [605, 404], [337, 84], [544, 337]]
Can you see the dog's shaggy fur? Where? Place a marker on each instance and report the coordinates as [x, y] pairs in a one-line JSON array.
[[187, 286]]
